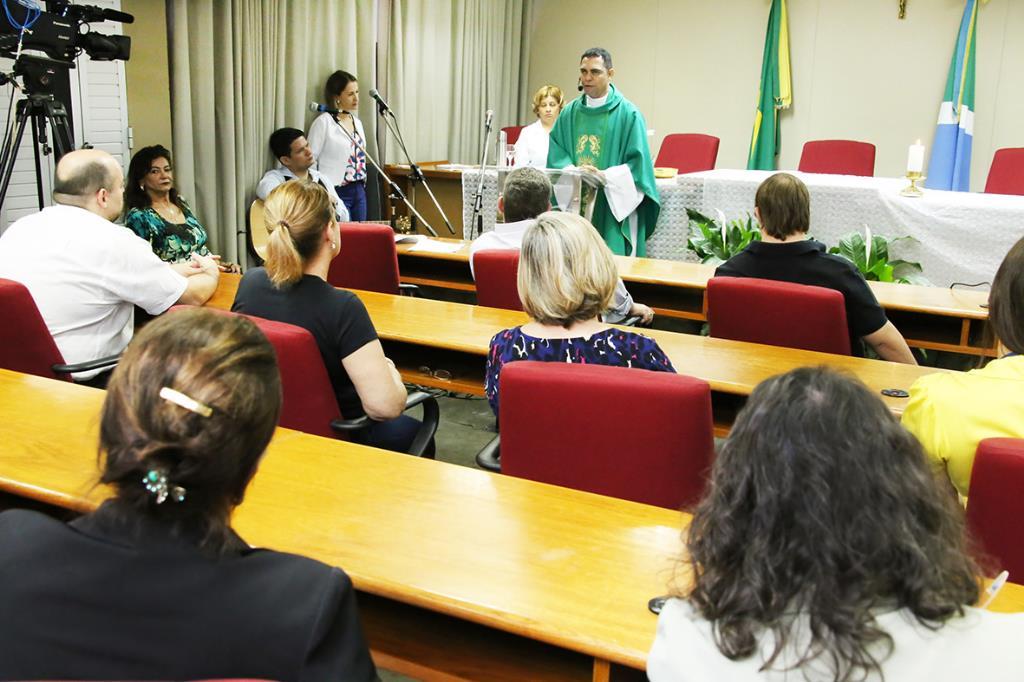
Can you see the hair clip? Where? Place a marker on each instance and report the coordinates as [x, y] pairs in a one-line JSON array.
[[182, 400], [155, 481]]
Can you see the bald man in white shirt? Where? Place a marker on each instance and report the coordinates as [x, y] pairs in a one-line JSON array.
[[86, 273]]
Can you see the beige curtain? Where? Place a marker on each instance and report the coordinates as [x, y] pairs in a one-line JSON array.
[[241, 69], [448, 62]]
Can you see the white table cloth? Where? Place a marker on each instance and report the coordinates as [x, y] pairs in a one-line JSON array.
[[961, 236]]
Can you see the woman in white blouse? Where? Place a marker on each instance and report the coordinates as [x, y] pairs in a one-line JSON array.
[[532, 145], [330, 137]]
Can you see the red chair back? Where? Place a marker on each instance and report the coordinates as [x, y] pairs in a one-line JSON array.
[[26, 344], [308, 403], [497, 273], [996, 503], [512, 133], [1006, 174], [368, 259], [628, 433], [778, 314], [839, 157], [688, 152]]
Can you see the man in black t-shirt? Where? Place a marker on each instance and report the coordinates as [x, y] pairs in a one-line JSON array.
[[782, 205]]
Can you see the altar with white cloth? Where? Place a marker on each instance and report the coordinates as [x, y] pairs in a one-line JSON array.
[[960, 236]]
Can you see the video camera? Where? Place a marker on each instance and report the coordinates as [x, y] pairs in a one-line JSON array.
[[63, 32]]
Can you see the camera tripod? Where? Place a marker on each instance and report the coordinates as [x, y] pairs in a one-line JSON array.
[[43, 111]]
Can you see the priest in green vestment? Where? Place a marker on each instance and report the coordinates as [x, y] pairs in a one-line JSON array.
[[603, 131]]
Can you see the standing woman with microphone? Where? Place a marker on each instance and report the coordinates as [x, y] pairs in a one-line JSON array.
[[330, 137]]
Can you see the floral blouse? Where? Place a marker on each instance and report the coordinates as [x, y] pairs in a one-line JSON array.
[[609, 347], [355, 169], [171, 242]]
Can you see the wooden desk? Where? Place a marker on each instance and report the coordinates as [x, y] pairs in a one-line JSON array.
[[421, 334], [447, 187], [462, 574], [929, 317]]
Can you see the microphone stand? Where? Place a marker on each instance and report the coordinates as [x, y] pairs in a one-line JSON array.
[[416, 174], [478, 198], [395, 189]]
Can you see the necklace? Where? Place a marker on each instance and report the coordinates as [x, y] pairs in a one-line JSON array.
[[170, 213]]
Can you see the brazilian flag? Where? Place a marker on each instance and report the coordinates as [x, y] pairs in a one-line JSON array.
[[776, 90]]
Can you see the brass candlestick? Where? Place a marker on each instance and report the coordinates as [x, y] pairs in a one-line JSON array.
[[912, 190]]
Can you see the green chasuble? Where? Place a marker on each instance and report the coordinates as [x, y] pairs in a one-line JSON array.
[[605, 136]]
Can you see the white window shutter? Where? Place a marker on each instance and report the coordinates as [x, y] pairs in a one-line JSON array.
[[101, 107], [99, 113]]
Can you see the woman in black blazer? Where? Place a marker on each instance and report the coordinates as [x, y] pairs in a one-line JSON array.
[[155, 584]]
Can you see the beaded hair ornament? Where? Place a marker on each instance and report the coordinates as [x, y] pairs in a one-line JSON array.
[[155, 479]]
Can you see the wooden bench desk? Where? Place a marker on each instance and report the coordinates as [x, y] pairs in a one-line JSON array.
[[462, 574], [929, 317], [422, 334]]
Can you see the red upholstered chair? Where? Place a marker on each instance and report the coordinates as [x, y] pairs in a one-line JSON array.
[[627, 433], [26, 344], [496, 272], [995, 507], [512, 133], [839, 157], [778, 314], [1006, 174], [688, 152], [309, 404], [368, 260]]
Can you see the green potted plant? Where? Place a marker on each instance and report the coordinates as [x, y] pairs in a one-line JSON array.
[[870, 253], [716, 242]]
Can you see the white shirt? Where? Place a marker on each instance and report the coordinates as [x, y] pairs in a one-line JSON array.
[[980, 646], [532, 146], [332, 147], [509, 237], [86, 274], [275, 176]]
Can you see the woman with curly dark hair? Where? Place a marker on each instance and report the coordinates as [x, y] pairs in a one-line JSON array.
[[825, 550]]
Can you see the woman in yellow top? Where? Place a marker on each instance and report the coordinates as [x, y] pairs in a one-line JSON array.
[[951, 413]]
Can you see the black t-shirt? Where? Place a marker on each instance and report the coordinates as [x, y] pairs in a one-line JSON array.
[[336, 318], [805, 262]]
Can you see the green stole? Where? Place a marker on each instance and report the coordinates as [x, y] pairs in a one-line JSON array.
[[605, 136]]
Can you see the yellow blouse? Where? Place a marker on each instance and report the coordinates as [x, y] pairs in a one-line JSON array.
[[951, 413]]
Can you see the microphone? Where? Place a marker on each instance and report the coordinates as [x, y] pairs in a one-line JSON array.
[[579, 85], [315, 106], [382, 106], [90, 13], [488, 118], [114, 15]]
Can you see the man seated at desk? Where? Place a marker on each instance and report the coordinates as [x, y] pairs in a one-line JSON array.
[[526, 195], [295, 162], [782, 206], [85, 273]]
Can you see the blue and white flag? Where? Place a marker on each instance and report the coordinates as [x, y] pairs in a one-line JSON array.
[[950, 165]]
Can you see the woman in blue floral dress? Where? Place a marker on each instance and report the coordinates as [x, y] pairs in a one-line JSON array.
[[566, 278], [155, 211]]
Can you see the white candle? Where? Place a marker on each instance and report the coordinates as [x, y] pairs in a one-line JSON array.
[[915, 158]]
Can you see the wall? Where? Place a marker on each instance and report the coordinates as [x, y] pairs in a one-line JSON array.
[[858, 71], [146, 74]]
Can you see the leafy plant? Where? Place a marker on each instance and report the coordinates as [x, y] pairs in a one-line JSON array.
[[716, 242], [870, 253]]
